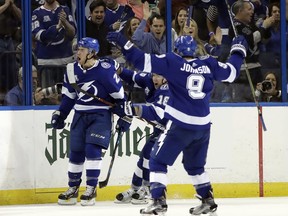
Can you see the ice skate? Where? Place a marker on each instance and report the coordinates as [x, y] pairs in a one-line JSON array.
[[88, 197], [208, 206], [157, 207], [69, 197], [125, 197], [142, 196]]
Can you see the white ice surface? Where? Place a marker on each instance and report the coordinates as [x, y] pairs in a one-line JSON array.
[[226, 207]]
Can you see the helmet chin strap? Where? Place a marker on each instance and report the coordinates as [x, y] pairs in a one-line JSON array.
[[87, 59]]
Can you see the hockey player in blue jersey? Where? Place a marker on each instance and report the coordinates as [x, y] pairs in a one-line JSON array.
[[91, 126], [190, 82], [157, 96]]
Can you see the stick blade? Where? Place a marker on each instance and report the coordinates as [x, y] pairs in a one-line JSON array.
[[103, 184]]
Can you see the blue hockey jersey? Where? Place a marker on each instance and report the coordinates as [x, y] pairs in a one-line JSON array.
[[53, 47], [156, 98], [99, 80], [122, 13], [190, 82]]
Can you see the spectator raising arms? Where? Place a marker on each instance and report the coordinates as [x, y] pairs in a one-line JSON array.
[[240, 91], [155, 40]]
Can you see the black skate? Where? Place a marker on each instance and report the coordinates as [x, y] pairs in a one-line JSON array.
[[142, 196], [157, 207], [208, 206], [125, 197], [88, 197], [69, 197]]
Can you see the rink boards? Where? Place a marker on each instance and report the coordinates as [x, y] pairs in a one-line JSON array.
[[243, 161]]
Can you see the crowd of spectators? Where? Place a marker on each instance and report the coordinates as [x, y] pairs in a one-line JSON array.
[[54, 35]]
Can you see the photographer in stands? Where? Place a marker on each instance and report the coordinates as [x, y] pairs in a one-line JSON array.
[[267, 90], [47, 96]]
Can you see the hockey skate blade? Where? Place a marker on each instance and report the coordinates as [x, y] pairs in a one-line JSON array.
[[88, 202], [139, 202], [71, 201], [122, 202], [154, 213], [213, 213], [143, 213]]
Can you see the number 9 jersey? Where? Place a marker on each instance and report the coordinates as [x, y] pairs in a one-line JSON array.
[[190, 82]]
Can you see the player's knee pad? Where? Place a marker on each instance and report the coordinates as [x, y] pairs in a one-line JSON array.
[[146, 151], [93, 151], [77, 157], [157, 167], [193, 171], [140, 162]]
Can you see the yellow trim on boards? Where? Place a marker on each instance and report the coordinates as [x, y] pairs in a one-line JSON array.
[[176, 191]]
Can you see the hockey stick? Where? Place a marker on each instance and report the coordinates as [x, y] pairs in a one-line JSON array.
[[190, 10], [124, 13], [247, 72], [72, 82], [105, 182]]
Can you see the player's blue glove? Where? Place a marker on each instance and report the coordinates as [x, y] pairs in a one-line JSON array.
[[116, 37], [124, 108], [239, 45], [57, 120], [123, 124]]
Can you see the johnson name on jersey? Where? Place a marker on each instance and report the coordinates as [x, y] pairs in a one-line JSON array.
[[190, 82]]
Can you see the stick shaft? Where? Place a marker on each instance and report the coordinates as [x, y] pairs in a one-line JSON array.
[[247, 71], [190, 10], [105, 182]]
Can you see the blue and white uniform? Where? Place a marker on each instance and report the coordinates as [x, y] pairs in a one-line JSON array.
[[188, 129], [91, 127], [122, 13], [156, 98], [99, 80], [53, 47], [152, 111], [190, 83]]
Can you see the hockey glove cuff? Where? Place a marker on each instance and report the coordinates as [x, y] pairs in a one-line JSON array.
[[57, 120], [118, 38], [123, 124], [125, 108], [239, 45]]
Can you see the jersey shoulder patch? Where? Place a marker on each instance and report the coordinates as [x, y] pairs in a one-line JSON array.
[[142, 74], [164, 87], [105, 65]]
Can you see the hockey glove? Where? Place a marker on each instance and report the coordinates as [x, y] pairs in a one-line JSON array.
[[57, 120], [123, 124], [125, 108], [239, 45], [116, 37]]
